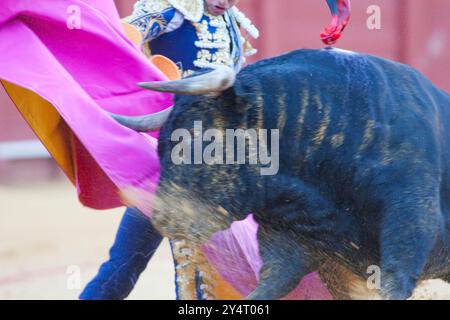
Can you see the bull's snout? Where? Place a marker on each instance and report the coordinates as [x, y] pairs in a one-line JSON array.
[[178, 214]]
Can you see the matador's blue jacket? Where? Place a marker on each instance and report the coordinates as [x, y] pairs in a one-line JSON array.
[[184, 32]]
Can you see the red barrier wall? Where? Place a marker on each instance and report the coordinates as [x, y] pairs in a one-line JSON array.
[[415, 32]]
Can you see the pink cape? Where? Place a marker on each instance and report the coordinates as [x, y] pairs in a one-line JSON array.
[[83, 72], [243, 273]]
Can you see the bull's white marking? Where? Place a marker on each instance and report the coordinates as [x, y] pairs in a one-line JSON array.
[[342, 51], [354, 245]]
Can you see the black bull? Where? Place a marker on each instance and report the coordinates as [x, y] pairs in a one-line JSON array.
[[363, 176]]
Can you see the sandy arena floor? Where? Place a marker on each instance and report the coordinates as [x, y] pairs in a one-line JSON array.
[[47, 238]]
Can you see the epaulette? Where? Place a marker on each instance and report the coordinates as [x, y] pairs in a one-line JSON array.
[[145, 7], [192, 10], [245, 23]]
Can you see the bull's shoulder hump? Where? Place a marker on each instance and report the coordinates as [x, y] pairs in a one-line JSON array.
[[328, 58], [333, 65]]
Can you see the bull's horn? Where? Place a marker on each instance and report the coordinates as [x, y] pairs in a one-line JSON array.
[[149, 122], [218, 80]]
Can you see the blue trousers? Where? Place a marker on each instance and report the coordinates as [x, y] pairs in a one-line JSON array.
[[136, 242]]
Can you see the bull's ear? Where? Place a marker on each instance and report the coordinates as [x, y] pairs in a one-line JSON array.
[[237, 99]]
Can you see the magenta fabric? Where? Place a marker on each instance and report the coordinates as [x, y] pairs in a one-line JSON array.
[[243, 273], [83, 72]]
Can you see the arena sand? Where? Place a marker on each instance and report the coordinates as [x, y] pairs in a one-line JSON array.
[[47, 238]]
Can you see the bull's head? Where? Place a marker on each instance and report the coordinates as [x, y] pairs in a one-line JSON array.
[[195, 200]]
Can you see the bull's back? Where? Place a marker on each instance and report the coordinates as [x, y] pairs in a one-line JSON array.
[[330, 103], [341, 114]]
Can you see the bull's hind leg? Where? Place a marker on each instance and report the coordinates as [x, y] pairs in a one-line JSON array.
[[409, 227], [343, 284]]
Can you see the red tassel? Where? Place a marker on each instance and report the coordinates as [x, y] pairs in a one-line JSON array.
[[341, 17]]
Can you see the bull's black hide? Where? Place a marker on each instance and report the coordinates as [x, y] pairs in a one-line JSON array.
[[363, 177]]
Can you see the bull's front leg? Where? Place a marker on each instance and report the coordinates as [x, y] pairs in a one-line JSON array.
[[295, 220], [284, 264]]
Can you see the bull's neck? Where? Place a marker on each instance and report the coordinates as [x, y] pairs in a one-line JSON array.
[[252, 192]]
